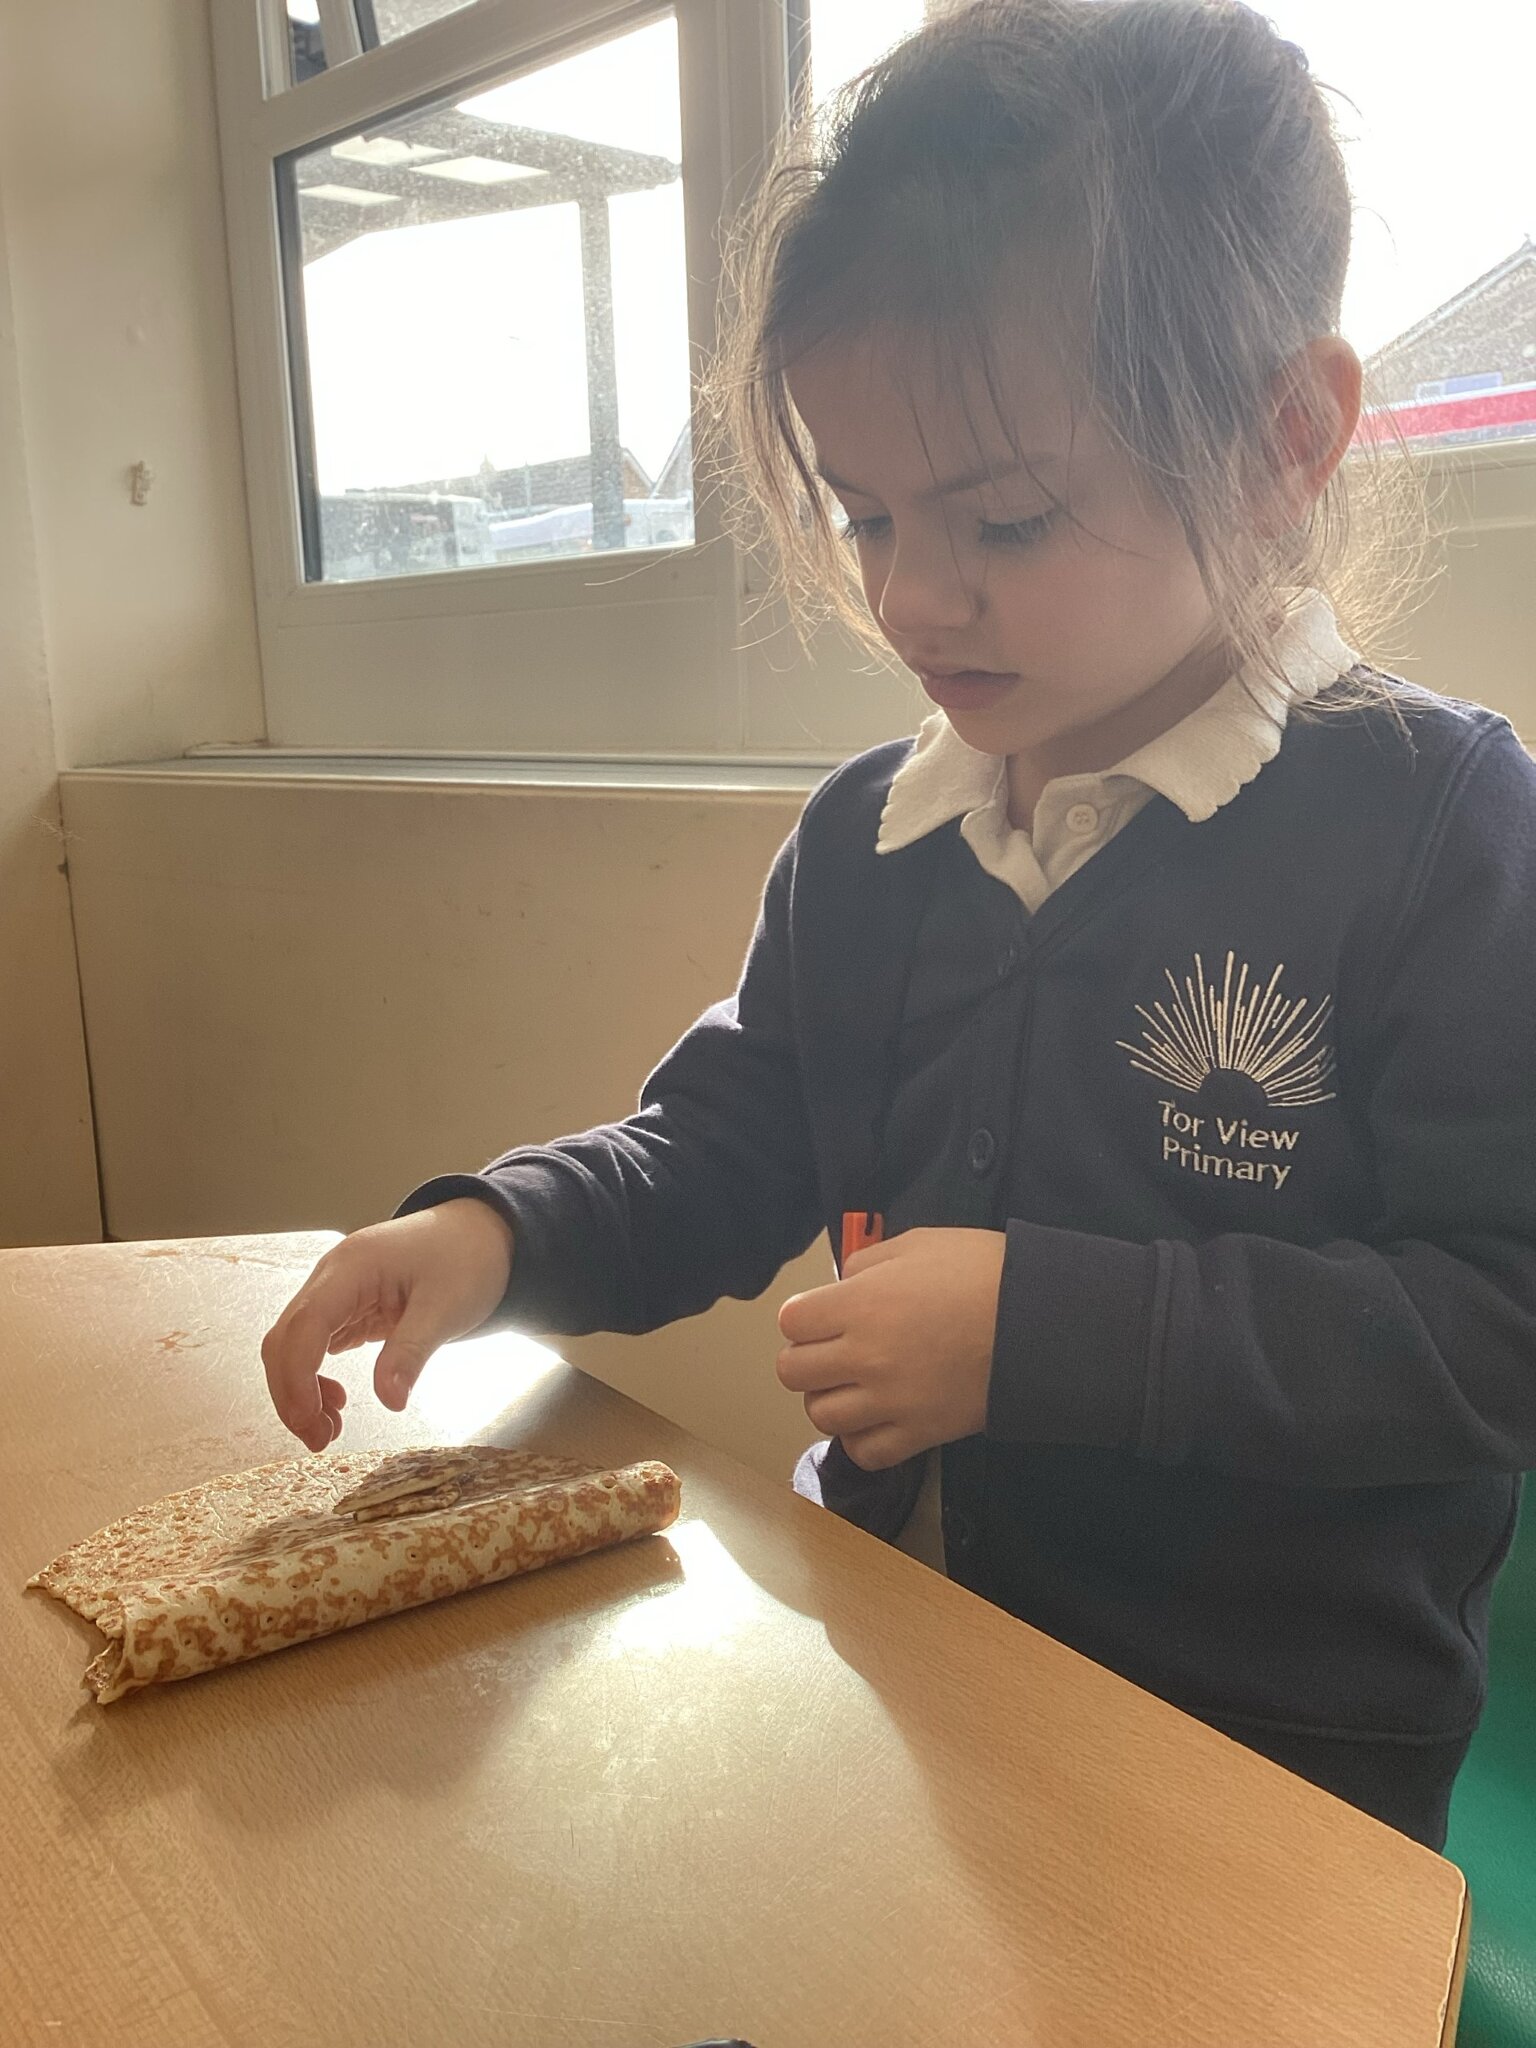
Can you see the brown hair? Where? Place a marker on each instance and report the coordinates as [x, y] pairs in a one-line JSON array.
[[1163, 178]]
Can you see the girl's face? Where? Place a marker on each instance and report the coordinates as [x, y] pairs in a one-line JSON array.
[[1052, 608]]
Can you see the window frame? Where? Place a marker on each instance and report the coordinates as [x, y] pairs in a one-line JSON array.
[[343, 663]]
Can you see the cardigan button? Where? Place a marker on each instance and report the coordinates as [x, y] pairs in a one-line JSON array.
[[959, 1531], [981, 1152]]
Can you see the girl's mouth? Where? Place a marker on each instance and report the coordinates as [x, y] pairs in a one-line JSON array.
[[966, 689]]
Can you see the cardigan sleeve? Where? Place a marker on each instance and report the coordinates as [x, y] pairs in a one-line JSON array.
[[707, 1190], [1406, 1360]]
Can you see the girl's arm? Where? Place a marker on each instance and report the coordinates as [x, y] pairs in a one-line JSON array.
[[706, 1191], [1410, 1359]]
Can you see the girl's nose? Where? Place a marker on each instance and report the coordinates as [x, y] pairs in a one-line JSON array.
[[923, 590]]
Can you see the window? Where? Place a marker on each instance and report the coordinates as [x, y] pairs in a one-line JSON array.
[[353, 26], [382, 20], [1435, 116], [843, 37], [474, 253], [488, 316]]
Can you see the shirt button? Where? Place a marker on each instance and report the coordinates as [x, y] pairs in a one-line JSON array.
[[1082, 818], [1007, 960], [959, 1531], [981, 1151]]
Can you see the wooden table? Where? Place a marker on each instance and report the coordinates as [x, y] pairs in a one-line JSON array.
[[763, 1776]]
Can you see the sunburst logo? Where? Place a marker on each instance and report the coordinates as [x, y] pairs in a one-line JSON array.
[[1243, 1026]]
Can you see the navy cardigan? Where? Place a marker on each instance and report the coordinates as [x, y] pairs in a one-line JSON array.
[[1255, 1101]]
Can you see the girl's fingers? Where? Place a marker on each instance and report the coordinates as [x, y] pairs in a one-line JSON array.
[[813, 1368], [425, 1324], [333, 1398], [294, 1350], [875, 1255], [814, 1317], [841, 1411], [291, 1352], [356, 1335], [877, 1449]]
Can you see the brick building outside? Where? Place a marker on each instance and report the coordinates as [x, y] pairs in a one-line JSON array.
[[1467, 371]]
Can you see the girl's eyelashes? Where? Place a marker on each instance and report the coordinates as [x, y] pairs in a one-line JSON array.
[[993, 533], [1017, 533]]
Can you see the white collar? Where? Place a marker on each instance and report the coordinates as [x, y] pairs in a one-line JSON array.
[[1199, 764]]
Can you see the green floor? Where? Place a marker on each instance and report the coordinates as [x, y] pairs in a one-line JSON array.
[[1493, 1820]]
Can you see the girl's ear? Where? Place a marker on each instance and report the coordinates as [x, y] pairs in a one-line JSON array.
[[1316, 399]]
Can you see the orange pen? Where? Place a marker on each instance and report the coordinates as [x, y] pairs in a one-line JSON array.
[[861, 1227]]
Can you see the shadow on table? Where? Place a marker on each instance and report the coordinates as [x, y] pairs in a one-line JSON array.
[[1070, 1825], [1053, 1804], [296, 1737]]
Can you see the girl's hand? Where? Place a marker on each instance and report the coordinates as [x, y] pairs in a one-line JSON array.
[[897, 1355], [417, 1282]]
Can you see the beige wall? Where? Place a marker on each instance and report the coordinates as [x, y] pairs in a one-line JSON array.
[[123, 631], [47, 1168], [303, 998], [109, 161], [1475, 635]]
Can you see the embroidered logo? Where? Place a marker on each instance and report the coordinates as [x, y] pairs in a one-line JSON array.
[[1240, 1047], [1244, 1027]]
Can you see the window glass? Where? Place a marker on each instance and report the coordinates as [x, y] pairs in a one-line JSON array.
[[306, 40], [488, 316], [848, 35], [1436, 122], [380, 21]]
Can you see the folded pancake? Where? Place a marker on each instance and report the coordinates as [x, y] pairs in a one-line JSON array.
[[281, 1554]]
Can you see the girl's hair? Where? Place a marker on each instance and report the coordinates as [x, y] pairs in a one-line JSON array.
[[1161, 179]]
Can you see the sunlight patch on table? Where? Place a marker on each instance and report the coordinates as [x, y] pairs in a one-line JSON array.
[[468, 1384], [706, 1612]]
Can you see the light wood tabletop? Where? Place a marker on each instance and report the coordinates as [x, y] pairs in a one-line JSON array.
[[761, 1776]]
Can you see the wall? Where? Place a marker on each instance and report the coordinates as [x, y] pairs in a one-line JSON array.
[[47, 1167], [123, 631], [304, 997], [1475, 635], [108, 155]]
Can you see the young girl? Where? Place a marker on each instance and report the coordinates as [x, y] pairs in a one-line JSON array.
[[1155, 1034]]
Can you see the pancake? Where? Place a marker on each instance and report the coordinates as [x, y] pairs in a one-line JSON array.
[[255, 1561]]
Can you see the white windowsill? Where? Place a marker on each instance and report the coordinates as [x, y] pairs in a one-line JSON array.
[[256, 763]]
